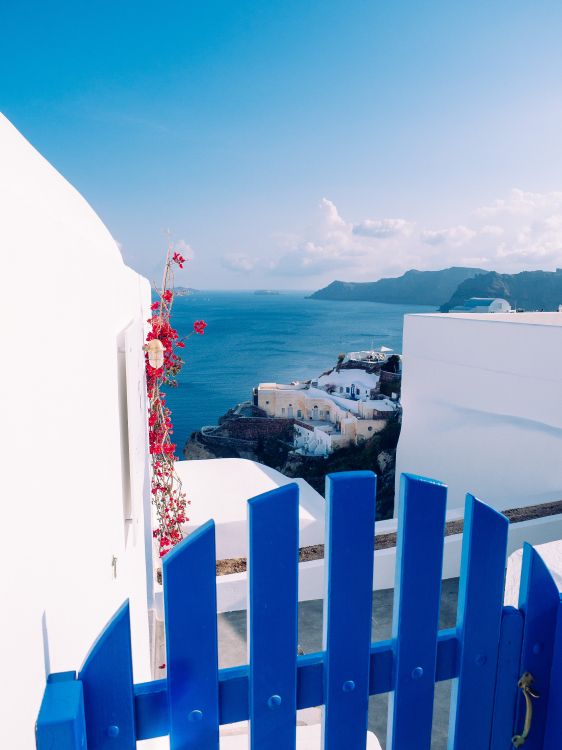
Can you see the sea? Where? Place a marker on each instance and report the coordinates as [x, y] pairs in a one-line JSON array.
[[252, 338]]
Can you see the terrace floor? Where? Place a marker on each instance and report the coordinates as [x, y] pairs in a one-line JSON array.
[[232, 651]]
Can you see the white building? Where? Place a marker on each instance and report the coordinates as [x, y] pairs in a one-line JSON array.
[[484, 305], [75, 535], [482, 397], [355, 383], [338, 409]]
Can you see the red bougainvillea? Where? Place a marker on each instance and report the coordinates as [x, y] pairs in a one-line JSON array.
[[162, 367]]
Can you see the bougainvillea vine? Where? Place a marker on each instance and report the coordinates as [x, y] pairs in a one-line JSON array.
[[163, 365]]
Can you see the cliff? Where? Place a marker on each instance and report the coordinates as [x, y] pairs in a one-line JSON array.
[[412, 288], [530, 290], [246, 432]]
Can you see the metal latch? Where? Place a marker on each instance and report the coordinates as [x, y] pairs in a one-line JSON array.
[[525, 683]]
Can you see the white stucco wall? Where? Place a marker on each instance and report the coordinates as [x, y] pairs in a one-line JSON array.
[[482, 399], [69, 305], [220, 489]]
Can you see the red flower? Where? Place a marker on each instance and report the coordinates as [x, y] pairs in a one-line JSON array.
[[170, 502], [179, 259]]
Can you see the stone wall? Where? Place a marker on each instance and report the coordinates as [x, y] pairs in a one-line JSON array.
[[254, 428]]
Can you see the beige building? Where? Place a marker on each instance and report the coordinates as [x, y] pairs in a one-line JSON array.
[[327, 417]]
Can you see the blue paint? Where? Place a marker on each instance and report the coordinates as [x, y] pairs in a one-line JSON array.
[[107, 677], [61, 722], [190, 605], [478, 623], [539, 601], [485, 654], [553, 729], [273, 617], [507, 676], [419, 561], [350, 522]]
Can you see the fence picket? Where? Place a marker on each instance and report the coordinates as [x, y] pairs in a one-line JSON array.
[[419, 562], [191, 641], [273, 617], [350, 519], [107, 679], [505, 696], [553, 730], [539, 600], [61, 722], [479, 614], [485, 654]]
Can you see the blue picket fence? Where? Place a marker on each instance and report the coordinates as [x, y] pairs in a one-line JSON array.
[[485, 655]]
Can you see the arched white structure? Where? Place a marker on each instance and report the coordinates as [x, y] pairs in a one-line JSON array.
[[74, 534]]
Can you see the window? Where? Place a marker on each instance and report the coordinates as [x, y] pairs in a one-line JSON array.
[[358, 391], [299, 413], [370, 429], [341, 389], [347, 389], [267, 402], [283, 410]]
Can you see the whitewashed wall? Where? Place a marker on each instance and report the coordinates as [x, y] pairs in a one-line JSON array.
[[72, 316], [482, 399]]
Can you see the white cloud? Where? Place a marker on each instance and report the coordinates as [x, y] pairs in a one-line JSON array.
[[238, 262], [382, 228], [523, 203], [451, 236], [520, 232]]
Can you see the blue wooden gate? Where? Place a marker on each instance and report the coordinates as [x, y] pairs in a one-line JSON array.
[[491, 647]]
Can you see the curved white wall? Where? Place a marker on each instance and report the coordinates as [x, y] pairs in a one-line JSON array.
[[67, 300], [482, 405]]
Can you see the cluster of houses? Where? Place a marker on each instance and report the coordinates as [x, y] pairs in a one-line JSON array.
[[342, 407]]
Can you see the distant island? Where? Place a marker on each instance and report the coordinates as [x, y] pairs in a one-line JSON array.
[[528, 290], [412, 288], [267, 292], [452, 287], [184, 291]]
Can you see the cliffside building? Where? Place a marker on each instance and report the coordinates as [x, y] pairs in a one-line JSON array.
[[339, 408]]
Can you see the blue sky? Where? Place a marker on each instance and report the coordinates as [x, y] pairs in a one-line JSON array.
[[291, 143]]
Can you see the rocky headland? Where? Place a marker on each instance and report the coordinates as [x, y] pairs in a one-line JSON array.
[[450, 287], [412, 288]]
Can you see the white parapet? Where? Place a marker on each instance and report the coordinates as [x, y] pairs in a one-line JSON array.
[[220, 489], [232, 589]]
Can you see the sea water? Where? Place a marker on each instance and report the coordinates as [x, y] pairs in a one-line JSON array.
[[252, 338]]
